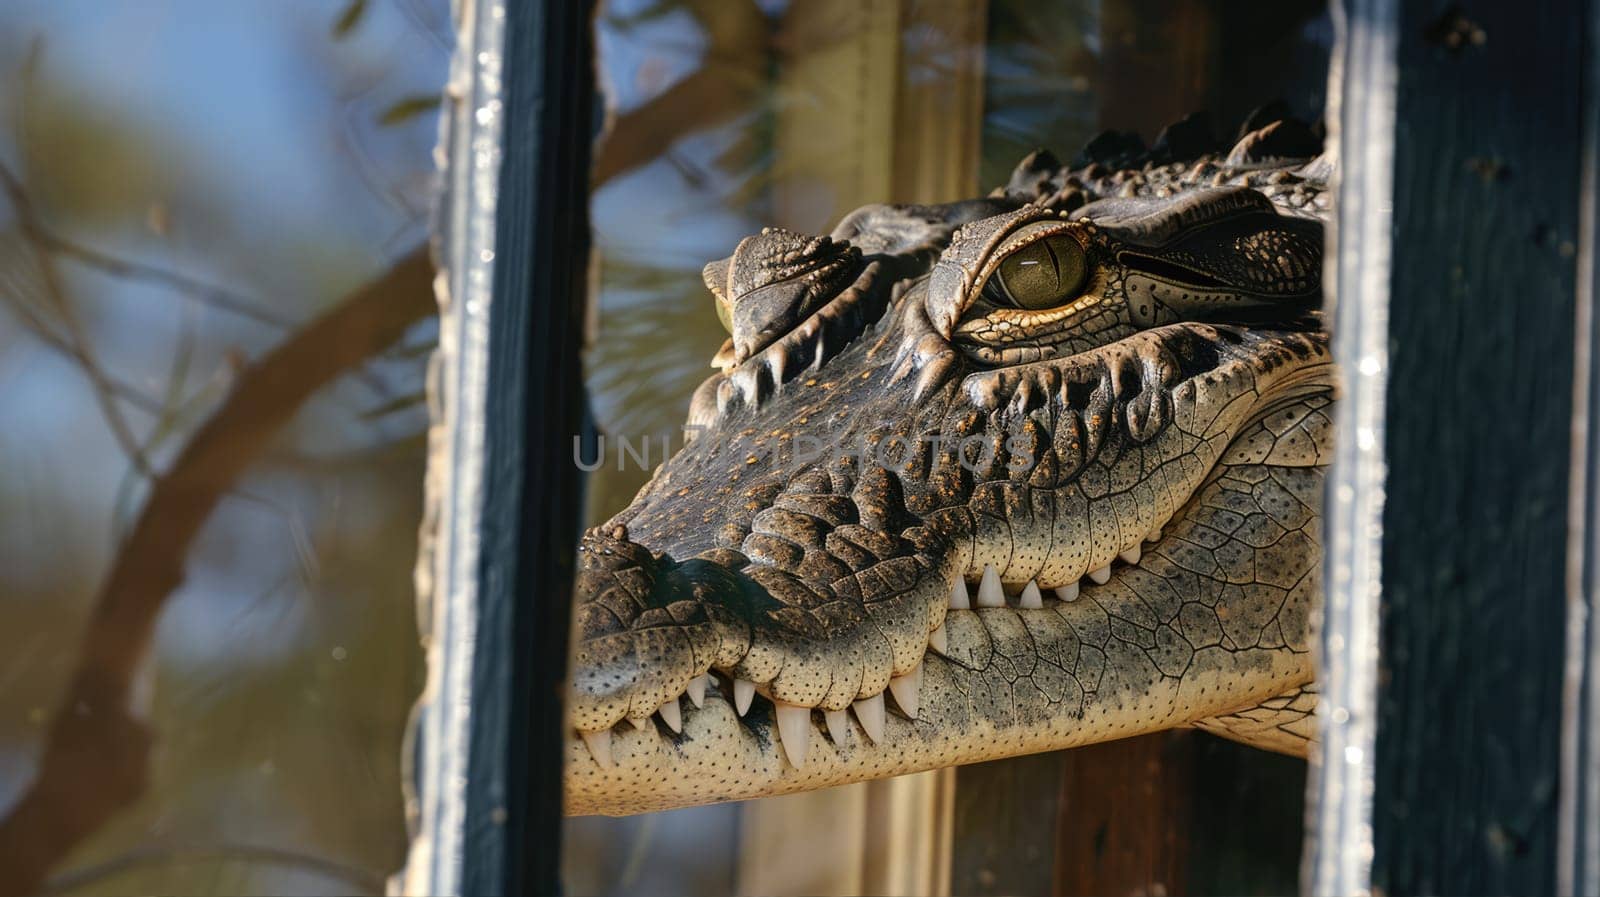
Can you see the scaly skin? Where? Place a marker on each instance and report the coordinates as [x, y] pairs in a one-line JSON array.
[[1147, 441]]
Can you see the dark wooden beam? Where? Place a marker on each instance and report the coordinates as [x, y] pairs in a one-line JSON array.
[[1171, 813], [1578, 844], [1005, 826], [1360, 116], [530, 519], [1486, 190], [1124, 817], [1106, 819]]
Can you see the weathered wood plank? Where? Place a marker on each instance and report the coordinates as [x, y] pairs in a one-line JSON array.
[[1485, 222], [528, 527], [1578, 848], [1006, 826], [1360, 116], [1124, 817], [1174, 813]]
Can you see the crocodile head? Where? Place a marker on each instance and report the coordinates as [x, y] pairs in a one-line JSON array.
[[972, 481]]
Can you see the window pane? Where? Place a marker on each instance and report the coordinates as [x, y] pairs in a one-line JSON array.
[[726, 118], [195, 183]]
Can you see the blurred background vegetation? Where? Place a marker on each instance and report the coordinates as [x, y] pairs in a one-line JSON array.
[[189, 183], [195, 181]]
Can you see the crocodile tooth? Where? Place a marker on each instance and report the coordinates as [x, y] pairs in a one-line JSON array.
[[794, 731], [697, 689], [1030, 596], [905, 688], [990, 592], [958, 594], [870, 712], [639, 722], [838, 724], [1102, 575], [1068, 592], [938, 641], [1132, 555], [599, 745], [672, 716], [775, 360], [1154, 536], [743, 691]]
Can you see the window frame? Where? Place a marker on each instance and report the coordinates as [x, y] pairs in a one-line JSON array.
[[500, 535], [503, 510]]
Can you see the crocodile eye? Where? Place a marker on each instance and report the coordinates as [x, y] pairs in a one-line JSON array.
[[1042, 274], [724, 314]]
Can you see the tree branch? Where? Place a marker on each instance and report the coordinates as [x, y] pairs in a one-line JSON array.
[[94, 760], [42, 332], [192, 287], [730, 81], [56, 292], [702, 100]]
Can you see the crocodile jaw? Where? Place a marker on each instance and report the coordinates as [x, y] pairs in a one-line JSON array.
[[1213, 616], [971, 708]]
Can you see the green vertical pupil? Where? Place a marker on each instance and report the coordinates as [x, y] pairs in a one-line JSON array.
[[1044, 273]]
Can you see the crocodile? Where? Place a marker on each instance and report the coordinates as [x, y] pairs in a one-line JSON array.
[[979, 479]]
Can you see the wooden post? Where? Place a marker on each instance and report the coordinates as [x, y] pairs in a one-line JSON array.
[[1476, 269], [1486, 196], [1361, 122], [1578, 844], [500, 537], [1164, 814], [532, 496], [1106, 819], [1006, 826], [1128, 804]]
